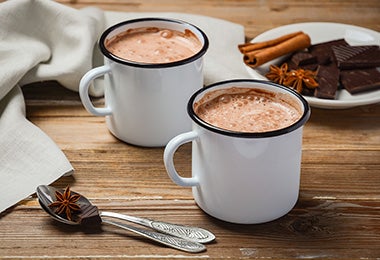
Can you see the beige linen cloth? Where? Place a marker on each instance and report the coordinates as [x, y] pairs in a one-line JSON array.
[[43, 40]]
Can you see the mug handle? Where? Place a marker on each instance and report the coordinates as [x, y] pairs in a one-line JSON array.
[[170, 149], [83, 90]]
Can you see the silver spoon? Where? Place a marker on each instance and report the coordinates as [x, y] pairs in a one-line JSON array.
[[187, 241], [195, 234]]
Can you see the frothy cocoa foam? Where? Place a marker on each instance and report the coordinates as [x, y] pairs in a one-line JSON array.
[[249, 110], [154, 45]]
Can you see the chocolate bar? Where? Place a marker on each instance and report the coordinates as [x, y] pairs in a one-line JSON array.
[[303, 58], [355, 57], [355, 81], [89, 215], [328, 80], [323, 51]]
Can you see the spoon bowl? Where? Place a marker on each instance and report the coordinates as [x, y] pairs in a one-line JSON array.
[[45, 198]]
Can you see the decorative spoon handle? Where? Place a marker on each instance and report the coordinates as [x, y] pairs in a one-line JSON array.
[[194, 234], [174, 242]]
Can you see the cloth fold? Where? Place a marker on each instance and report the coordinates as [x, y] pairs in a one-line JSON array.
[[28, 157], [43, 40], [39, 40]]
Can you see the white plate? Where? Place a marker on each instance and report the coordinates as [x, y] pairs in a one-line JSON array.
[[323, 32]]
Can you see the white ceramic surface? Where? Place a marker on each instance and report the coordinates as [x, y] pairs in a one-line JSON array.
[[244, 178], [145, 104], [323, 32]]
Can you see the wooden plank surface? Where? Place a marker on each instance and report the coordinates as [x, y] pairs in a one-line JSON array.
[[338, 212], [256, 16]]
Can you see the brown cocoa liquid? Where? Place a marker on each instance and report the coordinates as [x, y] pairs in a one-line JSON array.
[[247, 110], [154, 45]]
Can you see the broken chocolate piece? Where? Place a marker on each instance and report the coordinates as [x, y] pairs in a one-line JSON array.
[[308, 92], [323, 51], [328, 80], [89, 215], [355, 57], [356, 81], [309, 66], [303, 58]]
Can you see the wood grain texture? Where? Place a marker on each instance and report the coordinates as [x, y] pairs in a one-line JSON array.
[[338, 212], [256, 16]]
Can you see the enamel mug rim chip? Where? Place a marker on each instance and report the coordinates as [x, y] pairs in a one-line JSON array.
[[260, 84], [197, 31]]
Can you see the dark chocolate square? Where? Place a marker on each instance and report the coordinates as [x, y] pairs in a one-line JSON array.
[[355, 57], [323, 51], [89, 216], [360, 80], [328, 80], [303, 58]]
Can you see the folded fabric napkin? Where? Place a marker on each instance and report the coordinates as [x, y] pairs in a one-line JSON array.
[[39, 40], [43, 40]]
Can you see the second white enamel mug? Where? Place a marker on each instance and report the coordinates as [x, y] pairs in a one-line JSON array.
[[145, 104]]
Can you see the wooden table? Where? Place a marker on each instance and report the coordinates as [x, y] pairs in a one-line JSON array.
[[338, 212]]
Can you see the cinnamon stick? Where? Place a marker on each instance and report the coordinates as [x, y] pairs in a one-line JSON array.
[[256, 54], [252, 46]]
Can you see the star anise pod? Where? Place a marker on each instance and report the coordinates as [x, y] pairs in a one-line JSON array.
[[65, 202], [299, 78], [277, 74]]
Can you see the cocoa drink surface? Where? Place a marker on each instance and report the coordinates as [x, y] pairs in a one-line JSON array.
[[249, 110], [154, 45]]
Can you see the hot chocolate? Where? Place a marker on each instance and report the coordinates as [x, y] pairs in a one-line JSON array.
[[154, 45], [247, 110]]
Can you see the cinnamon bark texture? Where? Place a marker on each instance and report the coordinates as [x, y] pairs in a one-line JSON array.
[[256, 54]]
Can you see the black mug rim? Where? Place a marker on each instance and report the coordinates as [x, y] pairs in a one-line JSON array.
[[117, 59], [299, 123]]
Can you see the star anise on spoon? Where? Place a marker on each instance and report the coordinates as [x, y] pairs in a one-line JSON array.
[[66, 203]]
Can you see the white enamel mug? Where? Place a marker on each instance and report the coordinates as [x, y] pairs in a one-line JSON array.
[[145, 104], [244, 178]]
